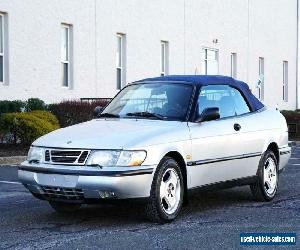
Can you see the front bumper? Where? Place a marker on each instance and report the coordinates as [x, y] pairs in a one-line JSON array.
[[82, 183]]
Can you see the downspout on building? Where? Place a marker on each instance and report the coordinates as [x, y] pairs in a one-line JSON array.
[[297, 57]]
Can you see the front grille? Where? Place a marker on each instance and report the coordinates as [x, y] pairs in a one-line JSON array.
[[62, 193], [60, 156], [83, 156], [47, 155]]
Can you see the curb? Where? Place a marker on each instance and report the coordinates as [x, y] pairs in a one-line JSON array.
[[11, 161], [294, 143], [9, 165]]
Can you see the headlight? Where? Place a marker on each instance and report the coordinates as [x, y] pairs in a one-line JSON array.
[[35, 154], [131, 158], [103, 158], [112, 158]]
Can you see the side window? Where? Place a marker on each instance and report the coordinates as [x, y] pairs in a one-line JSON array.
[[241, 107], [229, 100]]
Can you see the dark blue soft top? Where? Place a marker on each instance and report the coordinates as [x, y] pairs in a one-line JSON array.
[[203, 80]]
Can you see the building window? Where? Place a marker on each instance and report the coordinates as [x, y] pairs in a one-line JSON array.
[[261, 76], [164, 58], [233, 72], [121, 60], [66, 54], [285, 81], [3, 49], [210, 61]]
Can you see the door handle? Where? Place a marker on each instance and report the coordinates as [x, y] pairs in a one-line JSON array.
[[237, 127]]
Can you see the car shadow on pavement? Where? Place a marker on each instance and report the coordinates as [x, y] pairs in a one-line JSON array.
[[131, 212]]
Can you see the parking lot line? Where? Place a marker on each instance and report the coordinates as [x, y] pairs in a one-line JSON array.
[[10, 182]]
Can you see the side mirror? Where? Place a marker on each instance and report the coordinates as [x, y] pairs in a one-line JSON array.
[[97, 111], [209, 114]]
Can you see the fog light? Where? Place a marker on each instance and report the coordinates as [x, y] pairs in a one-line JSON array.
[[106, 194]]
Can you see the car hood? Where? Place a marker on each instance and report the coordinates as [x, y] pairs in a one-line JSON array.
[[115, 134]]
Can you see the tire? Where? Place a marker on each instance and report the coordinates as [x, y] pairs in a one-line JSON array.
[[265, 188], [64, 208], [167, 190]]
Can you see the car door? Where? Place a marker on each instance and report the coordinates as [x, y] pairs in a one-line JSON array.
[[218, 145]]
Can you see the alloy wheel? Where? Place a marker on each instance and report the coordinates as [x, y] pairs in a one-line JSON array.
[[170, 191], [270, 176]]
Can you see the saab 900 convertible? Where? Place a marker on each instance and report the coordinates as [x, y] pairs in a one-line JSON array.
[[157, 139]]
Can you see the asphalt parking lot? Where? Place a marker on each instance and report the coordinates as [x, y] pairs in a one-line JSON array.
[[212, 220]]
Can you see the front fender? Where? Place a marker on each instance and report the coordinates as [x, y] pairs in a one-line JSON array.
[[157, 152]]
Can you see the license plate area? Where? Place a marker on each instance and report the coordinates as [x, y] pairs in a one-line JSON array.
[[57, 180]]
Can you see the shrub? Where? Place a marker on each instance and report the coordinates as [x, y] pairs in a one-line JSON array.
[[291, 116], [11, 106], [73, 112], [47, 116], [35, 104], [293, 121], [7, 133], [27, 127]]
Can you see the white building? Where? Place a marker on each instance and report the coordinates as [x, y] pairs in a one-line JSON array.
[[63, 49]]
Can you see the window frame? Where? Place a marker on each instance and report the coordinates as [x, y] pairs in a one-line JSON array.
[[233, 65], [68, 60], [197, 94], [205, 59], [164, 61], [261, 71], [285, 80], [121, 61], [3, 51]]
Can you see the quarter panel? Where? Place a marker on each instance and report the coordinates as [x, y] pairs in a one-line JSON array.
[[263, 128]]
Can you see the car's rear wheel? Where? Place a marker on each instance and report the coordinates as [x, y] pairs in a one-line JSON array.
[[265, 188], [64, 208], [166, 194]]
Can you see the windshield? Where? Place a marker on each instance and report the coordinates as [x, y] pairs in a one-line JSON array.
[[165, 101]]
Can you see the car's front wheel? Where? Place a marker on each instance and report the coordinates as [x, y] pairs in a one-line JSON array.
[[266, 186], [64, 208], [166, 194]]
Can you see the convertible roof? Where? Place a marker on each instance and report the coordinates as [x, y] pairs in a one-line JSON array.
[[203, 80]]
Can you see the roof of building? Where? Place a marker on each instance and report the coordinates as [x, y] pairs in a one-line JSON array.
[[202, 80]]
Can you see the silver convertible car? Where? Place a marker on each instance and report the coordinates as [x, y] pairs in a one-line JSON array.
[[157, 139]]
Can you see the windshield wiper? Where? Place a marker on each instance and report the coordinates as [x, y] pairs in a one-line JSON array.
[[109, 115], [147, 114]]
